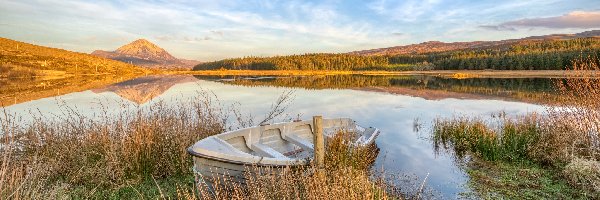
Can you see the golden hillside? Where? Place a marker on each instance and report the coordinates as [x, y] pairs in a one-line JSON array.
[[19, 59], [29, 72]]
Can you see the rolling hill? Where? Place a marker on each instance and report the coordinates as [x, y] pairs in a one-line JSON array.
[[437, 46], [20, 59], [29, 72]]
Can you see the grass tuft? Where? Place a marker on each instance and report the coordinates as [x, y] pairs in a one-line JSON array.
[[509, 143]]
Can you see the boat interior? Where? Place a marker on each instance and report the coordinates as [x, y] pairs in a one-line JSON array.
[[285, 140]]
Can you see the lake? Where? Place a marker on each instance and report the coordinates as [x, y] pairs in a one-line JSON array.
[[402, 107]]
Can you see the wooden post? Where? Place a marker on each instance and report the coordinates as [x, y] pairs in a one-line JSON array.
[[319, 142]]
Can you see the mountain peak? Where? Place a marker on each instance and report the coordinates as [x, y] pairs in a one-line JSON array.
[[144, 53], [143, 48], [142, 43]]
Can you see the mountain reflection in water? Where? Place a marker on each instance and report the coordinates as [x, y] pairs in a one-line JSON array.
[[144, 89]]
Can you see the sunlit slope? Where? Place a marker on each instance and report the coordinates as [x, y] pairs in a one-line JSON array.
[[29, 72], [19, 59]]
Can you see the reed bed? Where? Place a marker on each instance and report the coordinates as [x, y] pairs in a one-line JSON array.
[[140, 153], [564, 140], [8, 70], [86, 154], [509, 142]]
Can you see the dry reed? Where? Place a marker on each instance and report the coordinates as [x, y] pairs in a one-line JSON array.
[[574, 123], [105, 151]]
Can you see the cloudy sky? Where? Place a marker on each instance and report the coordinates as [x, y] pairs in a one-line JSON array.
[[210, 30]]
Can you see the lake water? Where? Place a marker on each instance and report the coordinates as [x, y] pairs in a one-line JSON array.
[[397, 105]]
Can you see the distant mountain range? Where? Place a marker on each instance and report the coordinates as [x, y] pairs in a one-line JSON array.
[[146, 54], [437, 46]]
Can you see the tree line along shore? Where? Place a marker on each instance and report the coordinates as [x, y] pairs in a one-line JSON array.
[[526, 55]]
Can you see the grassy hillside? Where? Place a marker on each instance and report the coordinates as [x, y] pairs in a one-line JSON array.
[[29, 72], [19, 59], [524, 55]]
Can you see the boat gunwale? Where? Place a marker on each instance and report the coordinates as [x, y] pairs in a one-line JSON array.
[[293, 163], [200, 155]]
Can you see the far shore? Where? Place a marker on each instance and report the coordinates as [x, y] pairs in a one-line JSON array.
[[441, 73]]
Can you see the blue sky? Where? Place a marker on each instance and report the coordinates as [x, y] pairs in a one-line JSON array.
[[210, 30]]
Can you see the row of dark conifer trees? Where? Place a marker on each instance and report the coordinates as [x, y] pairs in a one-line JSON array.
[[527, 55]]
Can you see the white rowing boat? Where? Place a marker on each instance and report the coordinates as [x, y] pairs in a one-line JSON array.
[[228, 155]]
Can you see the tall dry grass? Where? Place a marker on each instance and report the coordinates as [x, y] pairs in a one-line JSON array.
[[8, 70], [107, 151], [574, 123], [19, 179]]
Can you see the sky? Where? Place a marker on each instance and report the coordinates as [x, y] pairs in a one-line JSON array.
[[211, 30]]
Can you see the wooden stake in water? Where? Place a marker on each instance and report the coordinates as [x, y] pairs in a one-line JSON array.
[[319, 142]]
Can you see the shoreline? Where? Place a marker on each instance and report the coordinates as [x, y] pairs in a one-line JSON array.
[[440, 73]]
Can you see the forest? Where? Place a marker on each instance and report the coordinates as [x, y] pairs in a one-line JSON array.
[[524, 55]]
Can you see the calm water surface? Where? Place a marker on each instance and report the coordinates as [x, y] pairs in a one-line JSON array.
[[392, 104]]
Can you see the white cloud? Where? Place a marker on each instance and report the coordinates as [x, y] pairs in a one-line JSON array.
[[575, 19]]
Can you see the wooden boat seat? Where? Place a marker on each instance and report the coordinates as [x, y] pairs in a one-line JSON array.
[[266, 150], [302, 143], [366, 135], [369, 131]]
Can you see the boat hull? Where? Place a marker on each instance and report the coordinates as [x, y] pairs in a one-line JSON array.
[[213, 174]]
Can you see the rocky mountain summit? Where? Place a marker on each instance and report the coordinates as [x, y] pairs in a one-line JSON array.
[[146, 54]]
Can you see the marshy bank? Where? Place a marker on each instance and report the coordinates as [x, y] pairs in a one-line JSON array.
[[140, 153], [554, 154], [402, 148]]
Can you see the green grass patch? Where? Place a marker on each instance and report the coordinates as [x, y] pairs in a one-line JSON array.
[[507, 180], [165, 188], [502, 158], [510, 143]]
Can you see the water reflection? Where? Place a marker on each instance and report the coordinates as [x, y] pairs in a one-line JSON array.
[[144, 89], [533, 90], [389, 103]]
